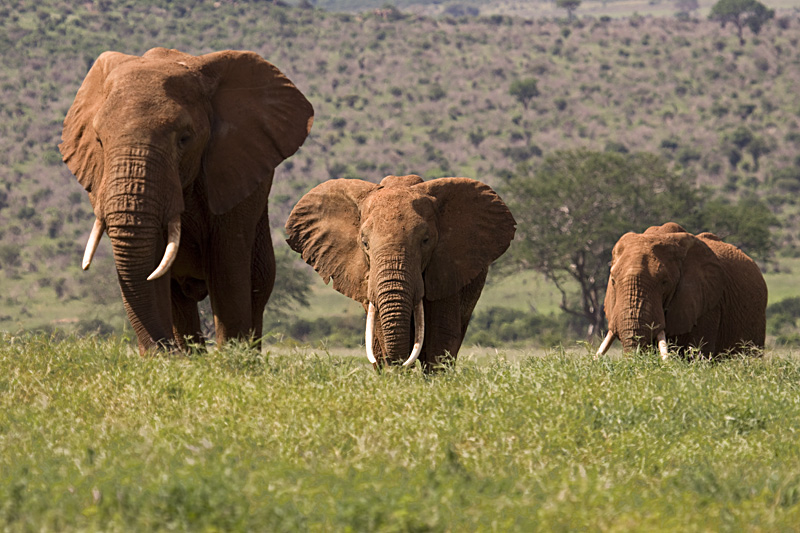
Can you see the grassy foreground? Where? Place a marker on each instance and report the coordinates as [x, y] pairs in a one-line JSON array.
[[93, 437]]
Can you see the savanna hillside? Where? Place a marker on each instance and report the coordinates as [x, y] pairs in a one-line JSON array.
[[396, 93]]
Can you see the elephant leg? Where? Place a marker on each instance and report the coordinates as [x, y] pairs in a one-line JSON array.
[[446, 322], [469, 296], [442, 333], [185, 317], [230, 263], [263, 275], [230, 294], [229, 288], [704, 335]]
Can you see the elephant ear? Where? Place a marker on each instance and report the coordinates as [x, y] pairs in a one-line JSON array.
[[259, 119], [79, 148], [699, 289], [324, 227], [475, 228]]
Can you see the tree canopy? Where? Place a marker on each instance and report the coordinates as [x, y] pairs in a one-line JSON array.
[[293, 287], [741, 13], [569, 5], [524, 90], [745, 224]]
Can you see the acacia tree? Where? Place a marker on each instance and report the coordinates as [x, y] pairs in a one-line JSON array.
[[524, 90], [573, 208], [741, 13], [292, 284], [745, 224], [569, 5]]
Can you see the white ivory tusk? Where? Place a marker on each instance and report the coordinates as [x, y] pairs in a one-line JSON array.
[[368, 334], [662, 345], [171, 252], [607, 342], [91, 245], [419, 334]]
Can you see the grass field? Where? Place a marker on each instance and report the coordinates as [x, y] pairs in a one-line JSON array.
[[93, 437]]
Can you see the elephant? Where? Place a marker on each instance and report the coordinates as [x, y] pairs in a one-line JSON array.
[[414, 253], [667, 286], [177, 153]]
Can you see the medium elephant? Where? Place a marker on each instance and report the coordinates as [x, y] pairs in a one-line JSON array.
[[177, 153], [414, 253], [667, 285]]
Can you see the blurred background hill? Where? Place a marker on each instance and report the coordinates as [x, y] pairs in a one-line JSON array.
[[413, 87], [529, 8]]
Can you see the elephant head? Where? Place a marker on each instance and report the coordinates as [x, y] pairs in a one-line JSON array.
[[394, 245], [146, 133], [662, 283]]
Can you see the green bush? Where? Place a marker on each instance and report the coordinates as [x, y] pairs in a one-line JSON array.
[[94, 326], [336, 330], [9, 255], [499, 326], [783, 321]]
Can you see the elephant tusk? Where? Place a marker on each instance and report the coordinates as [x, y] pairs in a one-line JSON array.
[[91, 245], [607, 342], [419, 334], [368, 334], [171, 252], [662, 345]]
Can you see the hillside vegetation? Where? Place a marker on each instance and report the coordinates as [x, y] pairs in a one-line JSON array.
[[396, 94], [530, 8]]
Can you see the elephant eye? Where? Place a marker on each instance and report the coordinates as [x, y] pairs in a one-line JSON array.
[[184, 139], [365, 244]]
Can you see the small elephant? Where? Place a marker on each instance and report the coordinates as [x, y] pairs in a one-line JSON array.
[[414, 253], [693, 291], [177, 153]]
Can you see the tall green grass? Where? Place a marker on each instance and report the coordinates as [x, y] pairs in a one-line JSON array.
[[94, 437]]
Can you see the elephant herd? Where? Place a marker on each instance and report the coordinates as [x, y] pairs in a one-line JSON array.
[[177, 153]]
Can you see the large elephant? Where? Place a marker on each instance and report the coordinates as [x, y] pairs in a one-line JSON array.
[[177, 153], [668, 286], [414, 253]]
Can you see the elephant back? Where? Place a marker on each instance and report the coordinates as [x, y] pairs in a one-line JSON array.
[[744, 300]]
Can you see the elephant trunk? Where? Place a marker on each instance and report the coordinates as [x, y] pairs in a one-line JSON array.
[[640, 319], [142, 196], [639, 332], [419, 333], [397, 304], [147, 303], [394, 317]]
